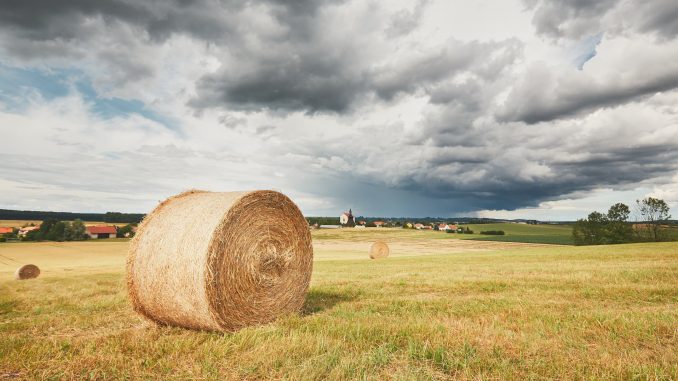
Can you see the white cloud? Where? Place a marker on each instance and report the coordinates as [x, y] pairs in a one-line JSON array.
[[415, 108]]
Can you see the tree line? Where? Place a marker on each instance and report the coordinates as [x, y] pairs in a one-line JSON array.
[[614, 226], [55, 230], [110, 217]]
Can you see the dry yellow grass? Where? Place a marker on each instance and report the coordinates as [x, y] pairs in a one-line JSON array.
[[523, 312]]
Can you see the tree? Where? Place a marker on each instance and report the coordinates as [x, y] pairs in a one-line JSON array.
[[45, 228], [653, 212], [591, 230], [126, 231], [76, 231], [57, 232], [618, 229]]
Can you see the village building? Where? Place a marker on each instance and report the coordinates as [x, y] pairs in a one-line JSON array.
[[446, 227], [99, 232], [418, 226], [347, 218], [379, 224], [23, 231], [4, 230]]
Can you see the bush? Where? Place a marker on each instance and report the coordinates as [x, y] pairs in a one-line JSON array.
[[3, 239], [493, 232], [451, 231]]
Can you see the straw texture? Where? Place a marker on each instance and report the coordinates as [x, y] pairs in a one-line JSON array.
[[379, 250], [26, 272], [220, 261]]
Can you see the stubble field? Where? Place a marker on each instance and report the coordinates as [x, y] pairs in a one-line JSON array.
[[438, 308]]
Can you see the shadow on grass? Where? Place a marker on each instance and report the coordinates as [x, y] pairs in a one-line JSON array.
[[321, 300]]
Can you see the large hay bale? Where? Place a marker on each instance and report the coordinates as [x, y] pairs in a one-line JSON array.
[[26, 272], [379, 250], [220, 261]]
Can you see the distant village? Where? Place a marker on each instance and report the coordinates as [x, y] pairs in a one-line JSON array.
[[348, 220], [74, 231], [55, 227]]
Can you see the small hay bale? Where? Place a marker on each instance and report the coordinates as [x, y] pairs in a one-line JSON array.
[[26, 272], [220, 261], [379, 250]]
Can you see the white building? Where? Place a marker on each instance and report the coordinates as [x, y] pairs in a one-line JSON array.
[[347, 218]]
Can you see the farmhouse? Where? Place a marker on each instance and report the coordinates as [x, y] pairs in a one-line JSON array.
[[6, 231], [418, 226], [99, 232], [446, 227], [379, 224], [347, 218], [23, 231]]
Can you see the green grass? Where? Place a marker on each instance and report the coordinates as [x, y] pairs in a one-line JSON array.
[[548, 234], [604, 312]]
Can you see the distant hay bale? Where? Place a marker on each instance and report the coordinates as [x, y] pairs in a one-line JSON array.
[[379, 250], [220, 261], [26, 272]]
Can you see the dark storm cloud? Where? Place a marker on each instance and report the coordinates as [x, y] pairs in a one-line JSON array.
[[581, 18], [68, 19], [505, 172], [314, 76], [489, 135], [213, 21], [282, 83], [542, 97]]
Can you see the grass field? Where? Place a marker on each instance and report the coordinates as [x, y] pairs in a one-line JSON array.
[[437, 309], [18, 223], [551, 234], [547, 234]]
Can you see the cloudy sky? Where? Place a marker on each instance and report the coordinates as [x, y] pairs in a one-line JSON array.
[[533, 108]]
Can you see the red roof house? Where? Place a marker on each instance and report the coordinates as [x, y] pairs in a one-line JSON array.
[[6, 230], [98, 232]]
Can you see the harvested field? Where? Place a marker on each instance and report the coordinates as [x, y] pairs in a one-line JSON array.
[[435, 309], [337, 249]]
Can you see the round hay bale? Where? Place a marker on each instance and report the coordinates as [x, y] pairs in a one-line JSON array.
[[379, 250], [26, 272], [220, 261]]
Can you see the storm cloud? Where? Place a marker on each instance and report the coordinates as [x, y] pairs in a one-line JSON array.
[[392, 109]]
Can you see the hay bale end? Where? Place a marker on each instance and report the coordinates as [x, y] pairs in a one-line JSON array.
[[379, 250], [220, 261], [27, 272]]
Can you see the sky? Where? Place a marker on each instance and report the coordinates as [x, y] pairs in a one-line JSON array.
[[505, 109]]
